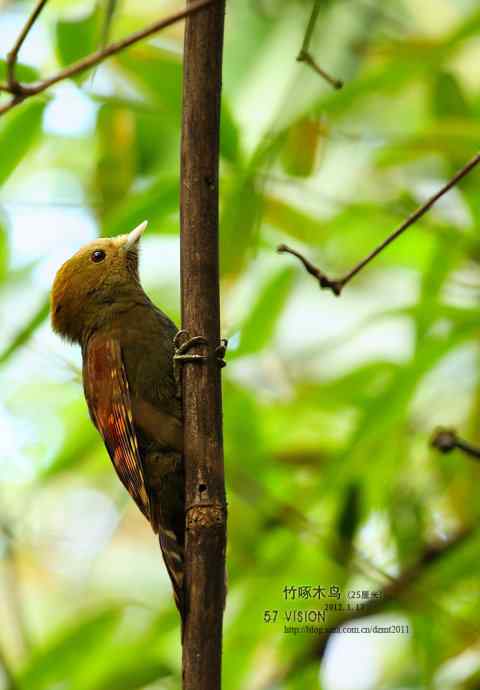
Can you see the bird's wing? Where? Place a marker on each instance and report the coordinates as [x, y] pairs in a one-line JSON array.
[[108, 397]]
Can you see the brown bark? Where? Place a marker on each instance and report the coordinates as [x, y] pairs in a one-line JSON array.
[[205, 489]]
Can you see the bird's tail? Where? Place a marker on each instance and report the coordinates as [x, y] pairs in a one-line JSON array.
[[166, 480], [173, 556]]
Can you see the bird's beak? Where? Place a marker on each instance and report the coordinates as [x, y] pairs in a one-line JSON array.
[[134, 236]]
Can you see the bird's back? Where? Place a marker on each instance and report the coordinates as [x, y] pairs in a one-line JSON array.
[[157, 415], [144, 342]]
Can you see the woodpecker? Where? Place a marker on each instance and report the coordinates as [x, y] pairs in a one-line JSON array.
[[129, 381]]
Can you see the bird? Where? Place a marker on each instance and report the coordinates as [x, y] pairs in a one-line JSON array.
[[129, 381]]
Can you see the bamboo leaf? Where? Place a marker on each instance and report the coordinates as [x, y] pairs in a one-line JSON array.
[[19, 131], [76, 38], [259, 327], [69, 649], [24, 335]]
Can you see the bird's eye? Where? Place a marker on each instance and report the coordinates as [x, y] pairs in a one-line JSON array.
[[98, 255]]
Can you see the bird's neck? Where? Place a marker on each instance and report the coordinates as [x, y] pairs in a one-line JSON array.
[[111, 315]]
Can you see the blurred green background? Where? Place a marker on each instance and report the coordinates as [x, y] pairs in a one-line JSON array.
[[329, 403]]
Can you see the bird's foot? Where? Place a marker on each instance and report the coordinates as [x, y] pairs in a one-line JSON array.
[[182, 349], [220, 353], [183, 345]]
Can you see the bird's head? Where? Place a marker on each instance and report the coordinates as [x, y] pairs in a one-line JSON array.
[[93, 282]]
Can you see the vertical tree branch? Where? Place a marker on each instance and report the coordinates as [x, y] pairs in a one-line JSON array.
[[205, 489]]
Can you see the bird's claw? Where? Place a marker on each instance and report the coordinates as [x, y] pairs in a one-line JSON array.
[[182, 349], [220, 353]]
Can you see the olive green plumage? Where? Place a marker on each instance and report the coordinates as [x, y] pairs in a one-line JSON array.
[[129, 383]]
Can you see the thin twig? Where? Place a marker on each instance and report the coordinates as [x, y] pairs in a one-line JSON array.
[[446, 440], [336, 286], [12, 82], [311, 25], [305, 55], [106, 28], [23, 91]]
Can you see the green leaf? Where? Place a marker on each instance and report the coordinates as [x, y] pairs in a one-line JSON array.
[[23, 73], [80, 440], [308, 676], [133, 674], [154, 203], [242, 429], [24, 335], [445, 255], [158, 73], [377, 430], [349, 516], [157, 144], [293, 221], [19, 130], [448, 99], [259, 327], [3, 253], [304, 141], [229, 135], [110, 11], [464, 30], [68, 650], [116, 159], [129, 660], [239, 223], [407, 522], [243, 57], [76, 38], [362, 227]]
